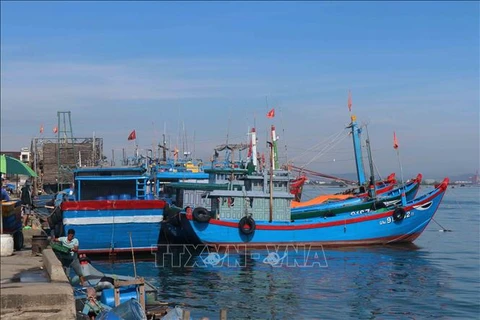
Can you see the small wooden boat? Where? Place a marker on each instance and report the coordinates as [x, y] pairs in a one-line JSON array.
[[107, 296]]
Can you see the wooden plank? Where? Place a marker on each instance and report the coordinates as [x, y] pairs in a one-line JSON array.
[[119, 283], [141, 293], [186, 314], [117, 296], [223, 314]]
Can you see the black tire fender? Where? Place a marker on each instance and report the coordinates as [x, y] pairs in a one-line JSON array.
[[246, 221], [201, 214], [398, 214]]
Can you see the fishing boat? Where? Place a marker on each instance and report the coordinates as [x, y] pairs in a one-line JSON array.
[[363, 189], [114, 210], [332, 206], [258, 215]]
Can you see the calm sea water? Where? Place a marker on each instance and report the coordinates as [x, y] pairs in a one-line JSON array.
[[436, 278]]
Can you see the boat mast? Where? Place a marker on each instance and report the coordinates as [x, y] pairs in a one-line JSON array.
[[270, 144], [357, 147], [254, 147], [371, 189], [274, 149]]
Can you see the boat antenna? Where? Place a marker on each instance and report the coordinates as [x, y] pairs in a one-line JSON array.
[[133, 256], [395, 146], [270, 144], [193, 142], [228, 124], [266, 110], [284, 137]]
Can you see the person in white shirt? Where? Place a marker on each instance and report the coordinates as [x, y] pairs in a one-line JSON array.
[[71, 259]]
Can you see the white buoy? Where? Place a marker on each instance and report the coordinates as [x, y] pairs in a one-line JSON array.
[[6, 242]]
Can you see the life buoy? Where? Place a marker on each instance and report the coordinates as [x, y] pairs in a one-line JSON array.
[[201, 214], [246, 225], [398, 214], [377, 205]]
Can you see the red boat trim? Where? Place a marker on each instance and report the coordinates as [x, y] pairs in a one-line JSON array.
[[113, 205], [385, 189]]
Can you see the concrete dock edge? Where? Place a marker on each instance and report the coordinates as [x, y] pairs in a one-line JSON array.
[[35, 300]]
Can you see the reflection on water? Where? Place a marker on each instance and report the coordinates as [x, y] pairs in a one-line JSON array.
[[436, 278], [369, 282]]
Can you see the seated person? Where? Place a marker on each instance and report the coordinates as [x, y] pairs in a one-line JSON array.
[[4, 196]]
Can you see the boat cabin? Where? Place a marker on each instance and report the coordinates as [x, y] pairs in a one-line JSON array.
[[233, 194], [111, 183], [193, 194]]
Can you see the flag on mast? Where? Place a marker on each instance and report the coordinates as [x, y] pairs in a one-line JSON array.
[[349, 101], [41, 129], [271, 113], [395, 141], [55, 129], [132, 135]]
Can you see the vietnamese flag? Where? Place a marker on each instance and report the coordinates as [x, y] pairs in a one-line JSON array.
[[271, 113], [41, 129], [55, 130], [132, 135], [395, 142]]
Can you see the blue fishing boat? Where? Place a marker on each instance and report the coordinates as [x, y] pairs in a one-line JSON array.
[[114, 210], [261, 215], [357, 204]]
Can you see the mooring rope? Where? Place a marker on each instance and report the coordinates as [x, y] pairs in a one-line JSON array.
[[443, 229]]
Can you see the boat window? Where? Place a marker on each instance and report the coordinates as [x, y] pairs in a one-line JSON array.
[[93, 189]]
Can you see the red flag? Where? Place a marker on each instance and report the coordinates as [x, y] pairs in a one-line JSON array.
[[175, 154], [41, 129], [349, 101], [132, 135], [271, 113], [395, 142], [55, 129]]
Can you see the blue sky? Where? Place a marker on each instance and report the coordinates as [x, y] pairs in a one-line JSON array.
[[203, 70]]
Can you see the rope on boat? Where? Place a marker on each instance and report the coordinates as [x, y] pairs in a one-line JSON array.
[[443, 229], [329, 140], [378, 171]]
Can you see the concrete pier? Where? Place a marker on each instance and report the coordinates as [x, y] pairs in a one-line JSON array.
[[34, 300]]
